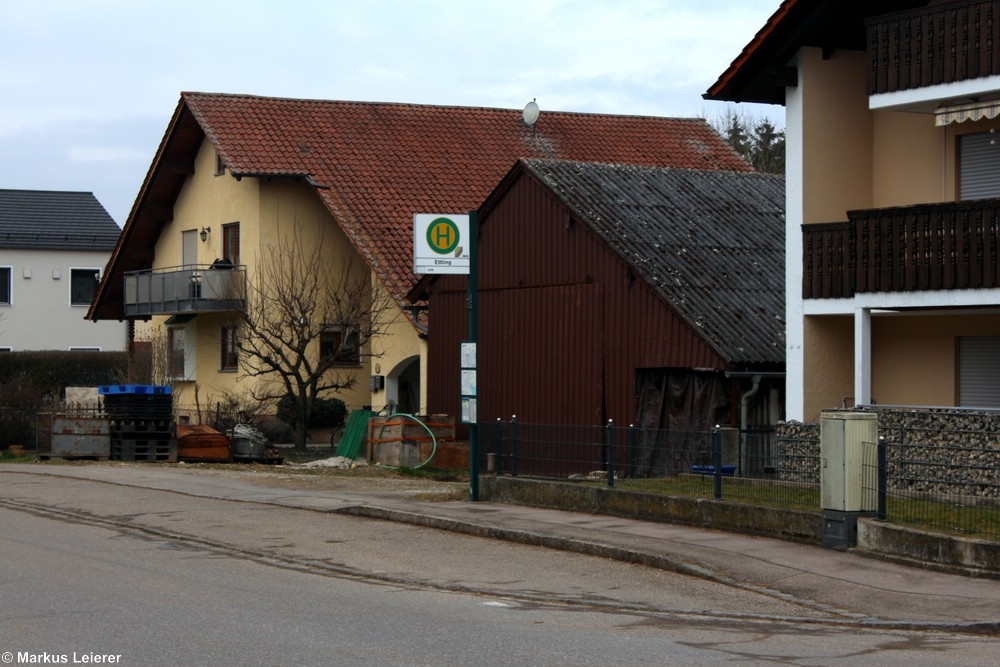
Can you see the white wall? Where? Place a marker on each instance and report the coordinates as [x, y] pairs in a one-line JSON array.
[[40, 316]]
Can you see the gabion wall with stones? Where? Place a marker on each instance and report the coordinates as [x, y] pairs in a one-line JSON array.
[[798, 452], [933, 451], [942, 452]]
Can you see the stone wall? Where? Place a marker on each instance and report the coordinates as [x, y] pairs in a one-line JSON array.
[[798, 452], [933, 451], [942, 451]]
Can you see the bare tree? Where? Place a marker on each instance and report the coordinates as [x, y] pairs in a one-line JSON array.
[[306, 313]]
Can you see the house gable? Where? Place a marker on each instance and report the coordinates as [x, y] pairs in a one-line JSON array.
[[376, 165], [765, 66]]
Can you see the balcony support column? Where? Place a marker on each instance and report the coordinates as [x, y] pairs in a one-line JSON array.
[[862, 356]]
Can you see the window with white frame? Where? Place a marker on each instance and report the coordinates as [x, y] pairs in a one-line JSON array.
[[6, 291], [83, 286]]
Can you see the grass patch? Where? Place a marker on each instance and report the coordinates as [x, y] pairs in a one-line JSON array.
[[766, 493], [953, 518], [958, 517]]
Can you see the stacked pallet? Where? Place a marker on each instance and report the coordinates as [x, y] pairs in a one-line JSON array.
[[142, 427]]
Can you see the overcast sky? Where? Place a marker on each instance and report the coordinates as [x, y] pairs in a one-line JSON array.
[[87, 86]]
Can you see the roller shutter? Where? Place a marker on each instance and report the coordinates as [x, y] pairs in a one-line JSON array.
[[979, 371], [979, 171]]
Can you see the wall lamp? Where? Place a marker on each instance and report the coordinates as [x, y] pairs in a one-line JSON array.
[[205, 231]]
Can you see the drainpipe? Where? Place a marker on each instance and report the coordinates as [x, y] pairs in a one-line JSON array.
[[745, 403], [745, 417]]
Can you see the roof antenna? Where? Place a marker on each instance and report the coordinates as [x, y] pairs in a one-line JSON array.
[[530, 114]]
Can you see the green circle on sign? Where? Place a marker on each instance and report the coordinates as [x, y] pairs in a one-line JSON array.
[[442, 235]]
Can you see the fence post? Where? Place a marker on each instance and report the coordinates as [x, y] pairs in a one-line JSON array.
[[609, 451], [633, 438], [717, 461], [499, 453], [513, 445], [882, 513]]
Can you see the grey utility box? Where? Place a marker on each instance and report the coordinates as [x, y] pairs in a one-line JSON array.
[[844, 439], [80, 436]]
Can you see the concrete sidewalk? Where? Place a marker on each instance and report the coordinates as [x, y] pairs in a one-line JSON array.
[[854, 587], [845, 583]]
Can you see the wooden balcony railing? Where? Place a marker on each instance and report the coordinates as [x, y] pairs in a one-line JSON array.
[[914, 248], [934, 45]]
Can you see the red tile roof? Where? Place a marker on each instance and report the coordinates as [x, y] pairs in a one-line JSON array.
[[725, 81], [375, 164]]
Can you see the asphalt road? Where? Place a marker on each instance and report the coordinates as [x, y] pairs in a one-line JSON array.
[[149, 576]]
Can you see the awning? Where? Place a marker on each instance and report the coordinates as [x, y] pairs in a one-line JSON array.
[[959, 113]]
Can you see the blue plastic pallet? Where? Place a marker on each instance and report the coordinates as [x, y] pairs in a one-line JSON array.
[[134, 389]]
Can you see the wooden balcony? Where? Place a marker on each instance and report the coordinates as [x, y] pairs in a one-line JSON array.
[[934, 45], [185, 290], [948, 246]]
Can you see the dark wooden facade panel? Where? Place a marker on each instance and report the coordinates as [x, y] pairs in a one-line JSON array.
[[563, 324], [643, 332], [449, 324], [532, 241], [541, 358]]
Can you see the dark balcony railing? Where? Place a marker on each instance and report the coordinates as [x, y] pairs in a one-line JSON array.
[[188, 289], [913, 248], [941, 44]]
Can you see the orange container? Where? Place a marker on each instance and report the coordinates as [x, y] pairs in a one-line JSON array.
[[196, 442]]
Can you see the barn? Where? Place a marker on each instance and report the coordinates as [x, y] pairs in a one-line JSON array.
[[635, 294]]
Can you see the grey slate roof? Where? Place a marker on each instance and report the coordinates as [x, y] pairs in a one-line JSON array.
[[710, 243], [46, 219]]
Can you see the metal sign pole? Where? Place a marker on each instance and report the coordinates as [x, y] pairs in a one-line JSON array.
[[474, 338]]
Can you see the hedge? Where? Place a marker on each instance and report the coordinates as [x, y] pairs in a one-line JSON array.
[[29, 379]]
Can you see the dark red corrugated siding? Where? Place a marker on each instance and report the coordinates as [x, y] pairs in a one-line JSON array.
[[562, 329]]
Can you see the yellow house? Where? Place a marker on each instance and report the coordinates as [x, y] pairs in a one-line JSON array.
[[893, 175], [236, 176]]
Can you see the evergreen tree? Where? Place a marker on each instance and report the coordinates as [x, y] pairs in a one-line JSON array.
[[767, 150], [756, 139]]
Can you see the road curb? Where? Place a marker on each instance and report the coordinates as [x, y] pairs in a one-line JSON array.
[[640, 557]]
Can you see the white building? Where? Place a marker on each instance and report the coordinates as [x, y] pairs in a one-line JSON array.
[[53, 247]]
